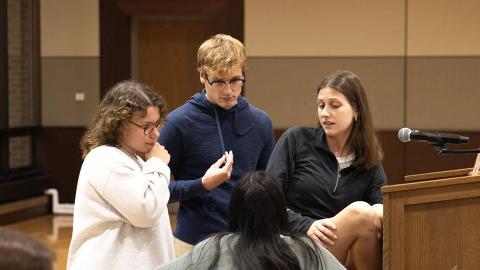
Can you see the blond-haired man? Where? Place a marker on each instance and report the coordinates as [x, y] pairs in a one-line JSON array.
[[214, 126]]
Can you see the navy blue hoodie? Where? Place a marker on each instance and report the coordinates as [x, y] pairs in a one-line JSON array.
[[196, 135]]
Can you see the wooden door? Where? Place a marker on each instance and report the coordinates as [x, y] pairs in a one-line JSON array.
[[167, 56]]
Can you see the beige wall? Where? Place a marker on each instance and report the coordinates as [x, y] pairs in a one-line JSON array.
[[425, 77], [286, 87], [282, 28], [70, 61], [443, 27], [69, 28], [444, 93]]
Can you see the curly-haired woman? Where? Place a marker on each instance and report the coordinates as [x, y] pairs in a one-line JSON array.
[[120, 218]]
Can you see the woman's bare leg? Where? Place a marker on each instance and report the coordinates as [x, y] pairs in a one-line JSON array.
[[359, 231]]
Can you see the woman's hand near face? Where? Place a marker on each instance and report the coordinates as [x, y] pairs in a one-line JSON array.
[[158, 151]]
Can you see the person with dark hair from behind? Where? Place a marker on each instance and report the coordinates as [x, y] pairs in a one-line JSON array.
[[19, 251], [332, 175], [121, 220], [258, 237]]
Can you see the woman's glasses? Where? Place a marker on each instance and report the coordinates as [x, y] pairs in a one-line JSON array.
[[147, 129]]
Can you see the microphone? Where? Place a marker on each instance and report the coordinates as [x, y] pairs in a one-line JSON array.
[[405, 135]]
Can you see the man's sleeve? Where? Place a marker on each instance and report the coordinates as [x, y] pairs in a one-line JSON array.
[[180, 189]]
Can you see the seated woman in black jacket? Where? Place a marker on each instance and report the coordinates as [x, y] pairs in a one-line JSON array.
[[332, 175]]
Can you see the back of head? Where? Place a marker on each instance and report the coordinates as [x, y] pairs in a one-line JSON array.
[[220, 53], [257, 207], [117, 107], [363, 139], [258, 216], [21, 252]]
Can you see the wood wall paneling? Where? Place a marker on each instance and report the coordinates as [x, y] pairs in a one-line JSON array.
[[23, 185], [115, 45], [115, 28], [3, 87], [24, 209], [59, 155], [166, 43], [432, 224]]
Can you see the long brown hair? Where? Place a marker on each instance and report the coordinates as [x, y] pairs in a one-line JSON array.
[[362, 139], [118, 106]]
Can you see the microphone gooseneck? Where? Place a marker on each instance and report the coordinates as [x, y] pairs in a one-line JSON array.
[[437, 140]]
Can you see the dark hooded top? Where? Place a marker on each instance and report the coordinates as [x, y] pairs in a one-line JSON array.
[[196, 135]]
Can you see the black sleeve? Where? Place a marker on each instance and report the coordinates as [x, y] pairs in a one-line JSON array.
[[282, 161], [374, 193], [299, 223], [281, 166], [267, 148]]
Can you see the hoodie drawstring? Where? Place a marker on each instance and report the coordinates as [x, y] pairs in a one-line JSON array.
[[219, 131]]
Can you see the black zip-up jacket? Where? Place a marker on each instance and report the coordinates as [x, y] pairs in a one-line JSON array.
[[314, 186]]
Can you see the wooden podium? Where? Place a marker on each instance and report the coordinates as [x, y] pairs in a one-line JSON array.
[[433, 223]]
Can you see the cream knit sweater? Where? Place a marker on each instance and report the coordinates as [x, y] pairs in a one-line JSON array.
[[120, 217]]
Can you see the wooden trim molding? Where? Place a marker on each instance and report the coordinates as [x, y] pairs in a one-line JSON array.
[[24, 209], [23, 204]]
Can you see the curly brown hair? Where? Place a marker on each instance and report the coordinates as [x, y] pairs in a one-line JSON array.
[[117, 107]]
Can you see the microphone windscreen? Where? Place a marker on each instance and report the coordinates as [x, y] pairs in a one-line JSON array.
[[404, 134]]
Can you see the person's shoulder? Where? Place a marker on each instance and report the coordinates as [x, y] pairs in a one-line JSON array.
[[256, 110], [204, 249], [378, 171], [99, 163], [300, 131], [295, 241], [182, 117], [221, 237], [181, 111], [102, 151], [106, 157], [328, 260], [258, 113]]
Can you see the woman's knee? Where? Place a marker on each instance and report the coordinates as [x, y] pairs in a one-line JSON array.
[[367, 216], [378, 209]]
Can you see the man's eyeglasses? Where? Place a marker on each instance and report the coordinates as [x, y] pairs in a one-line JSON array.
[[147, 129], [235, 83]]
